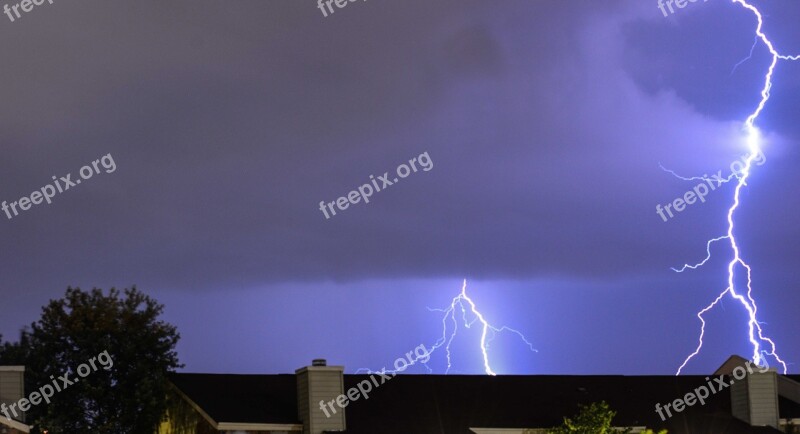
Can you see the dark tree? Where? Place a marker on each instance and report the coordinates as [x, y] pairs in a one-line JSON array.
[[116, 355], [593, 419], [15, 353]]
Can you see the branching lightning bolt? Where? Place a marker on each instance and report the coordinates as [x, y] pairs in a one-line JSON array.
[[755, 335], [749, 56], [462, 303], [488, 331]]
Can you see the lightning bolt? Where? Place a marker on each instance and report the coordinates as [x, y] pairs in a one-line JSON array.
[[755, 333], [488, 331], [459, 307]]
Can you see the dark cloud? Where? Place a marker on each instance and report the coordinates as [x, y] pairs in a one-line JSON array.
[[230, 121]]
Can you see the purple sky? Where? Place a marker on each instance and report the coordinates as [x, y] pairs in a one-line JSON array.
[[545, 120]]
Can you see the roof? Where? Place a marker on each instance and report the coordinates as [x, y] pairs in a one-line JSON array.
[[454, 403], [242, 398], [15, 424]]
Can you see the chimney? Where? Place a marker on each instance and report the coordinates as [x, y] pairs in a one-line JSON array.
[[754, 398], [12, 387], [315, 383]]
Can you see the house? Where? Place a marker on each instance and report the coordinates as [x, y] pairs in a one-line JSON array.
[[759, 402], [12, 389], [320, 399]]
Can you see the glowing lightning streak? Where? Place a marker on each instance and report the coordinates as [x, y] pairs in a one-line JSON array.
[[450, 312], [488, 332], [753, 144], [749, 56]]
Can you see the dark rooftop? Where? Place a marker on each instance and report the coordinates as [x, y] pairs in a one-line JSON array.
[[451, 404], [242, 398]]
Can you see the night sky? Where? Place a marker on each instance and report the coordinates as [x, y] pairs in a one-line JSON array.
[[545, 122]]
